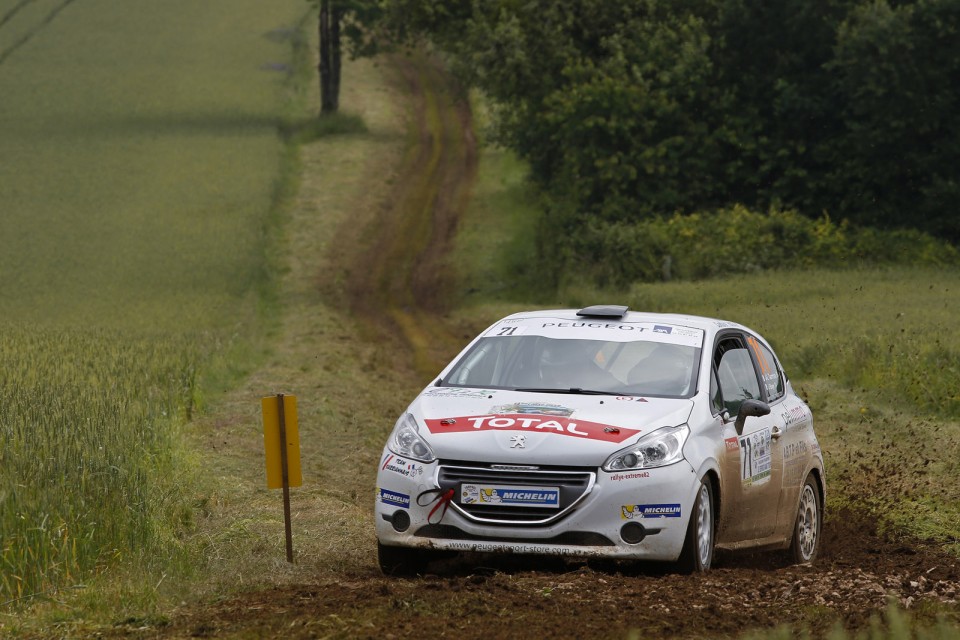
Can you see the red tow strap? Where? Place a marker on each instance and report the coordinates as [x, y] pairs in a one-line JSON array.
[[441, 497]]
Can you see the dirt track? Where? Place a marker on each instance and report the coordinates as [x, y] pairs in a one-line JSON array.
[[398, 282], [395, 280], [487, 597]]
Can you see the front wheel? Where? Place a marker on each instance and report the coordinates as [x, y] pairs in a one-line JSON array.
[[806, 530], [697, 554]]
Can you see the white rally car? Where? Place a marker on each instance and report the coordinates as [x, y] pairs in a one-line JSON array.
[[603, 433]]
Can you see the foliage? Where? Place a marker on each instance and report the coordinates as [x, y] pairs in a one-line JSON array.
[[737, 240], [895, 68], [631, 110]]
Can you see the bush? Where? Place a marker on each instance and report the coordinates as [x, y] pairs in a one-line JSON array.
[[734, 240]]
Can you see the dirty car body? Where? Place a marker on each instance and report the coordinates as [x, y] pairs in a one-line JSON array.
[[603, 433]]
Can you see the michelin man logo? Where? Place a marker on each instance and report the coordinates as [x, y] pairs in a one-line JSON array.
[[630, 511], [490, 495]]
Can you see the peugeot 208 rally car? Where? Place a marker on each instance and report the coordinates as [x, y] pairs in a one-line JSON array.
[[603, 433]]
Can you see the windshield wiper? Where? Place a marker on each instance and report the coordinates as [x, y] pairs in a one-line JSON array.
[[571, 390]]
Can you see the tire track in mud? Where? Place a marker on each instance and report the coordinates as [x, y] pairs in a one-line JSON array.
[[401, 284]]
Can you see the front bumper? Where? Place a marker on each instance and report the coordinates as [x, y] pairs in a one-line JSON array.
[[655, 503]]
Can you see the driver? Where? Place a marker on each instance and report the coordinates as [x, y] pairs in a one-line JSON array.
[[570, 364]]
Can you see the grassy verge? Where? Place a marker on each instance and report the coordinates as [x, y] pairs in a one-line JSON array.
[[349, 395]]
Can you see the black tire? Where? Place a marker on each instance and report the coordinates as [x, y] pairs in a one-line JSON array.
[[401, 561], [697, 554], [808, 525]]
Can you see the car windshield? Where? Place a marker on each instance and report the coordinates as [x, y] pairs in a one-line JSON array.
[[578, 365]]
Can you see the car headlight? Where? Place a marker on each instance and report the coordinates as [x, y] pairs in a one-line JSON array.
[[657, 449], [405, 441]]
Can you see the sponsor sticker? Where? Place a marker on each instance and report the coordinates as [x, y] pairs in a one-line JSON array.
[[534, 409], [798, 416], [510, 496], [394, 498], [598, 330], [794, 449], [755, 458], [457, 392], [558, 425], [643, 511], [732, 444], [634, 475], [402, 467]]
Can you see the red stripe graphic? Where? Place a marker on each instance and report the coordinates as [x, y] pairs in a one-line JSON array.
[[533, 423]]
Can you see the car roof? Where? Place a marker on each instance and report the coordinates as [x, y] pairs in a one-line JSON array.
[[709, 325]]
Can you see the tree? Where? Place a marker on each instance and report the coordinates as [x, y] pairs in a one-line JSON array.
[[639, 108], [329, 66], [897, 67], [358, 20]]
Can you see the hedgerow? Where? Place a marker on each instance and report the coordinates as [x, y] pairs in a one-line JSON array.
[[730, 241]]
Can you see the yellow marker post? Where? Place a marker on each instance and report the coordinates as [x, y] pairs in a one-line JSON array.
[[283, 462]]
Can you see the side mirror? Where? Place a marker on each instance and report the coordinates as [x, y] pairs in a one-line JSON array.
[[750, 409]]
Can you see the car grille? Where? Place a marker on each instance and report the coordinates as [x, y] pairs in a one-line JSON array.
[[574, 485]]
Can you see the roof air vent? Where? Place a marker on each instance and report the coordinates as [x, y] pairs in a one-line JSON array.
[[603, 311]]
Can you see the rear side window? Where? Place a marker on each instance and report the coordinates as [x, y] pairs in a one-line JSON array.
[[770, 373]]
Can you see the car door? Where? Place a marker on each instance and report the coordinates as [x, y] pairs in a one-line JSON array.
[[795, 440], [752, 465]]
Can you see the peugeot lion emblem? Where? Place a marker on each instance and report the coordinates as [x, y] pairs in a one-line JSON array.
[[516, 442]]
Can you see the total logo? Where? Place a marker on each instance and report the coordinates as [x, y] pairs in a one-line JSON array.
[[558, 425]]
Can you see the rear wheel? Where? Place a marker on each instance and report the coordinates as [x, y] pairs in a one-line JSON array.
[[806, 530], [401, 561], [697, 554]]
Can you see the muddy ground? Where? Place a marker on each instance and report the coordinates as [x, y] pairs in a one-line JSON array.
[[856, 577], [393, 279]]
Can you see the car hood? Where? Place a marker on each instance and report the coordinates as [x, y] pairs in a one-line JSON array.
[[538, 428]]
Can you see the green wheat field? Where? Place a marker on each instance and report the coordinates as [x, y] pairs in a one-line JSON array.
[[139, 169]]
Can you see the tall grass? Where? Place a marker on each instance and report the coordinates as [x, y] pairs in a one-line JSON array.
[[92, 468], [141, 166]]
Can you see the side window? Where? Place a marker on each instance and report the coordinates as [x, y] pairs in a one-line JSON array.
[[769, 371], [735, 374]]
